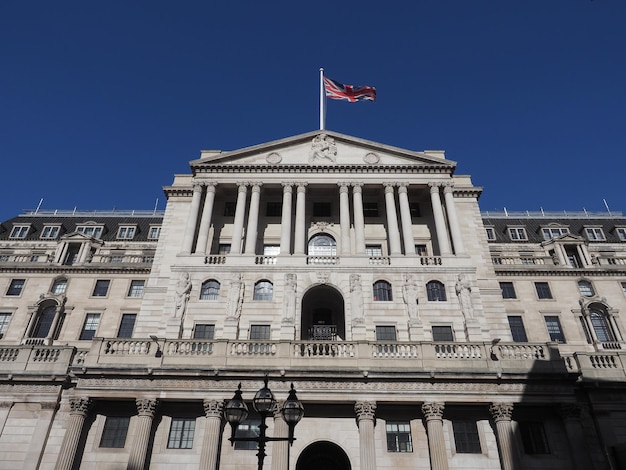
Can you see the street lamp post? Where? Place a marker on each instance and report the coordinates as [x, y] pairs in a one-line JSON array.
[[236, 411]]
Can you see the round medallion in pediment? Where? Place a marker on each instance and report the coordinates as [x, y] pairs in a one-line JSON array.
[[371, 158], [274, 158]]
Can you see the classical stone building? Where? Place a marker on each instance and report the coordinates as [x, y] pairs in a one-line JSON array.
[[418, 332]]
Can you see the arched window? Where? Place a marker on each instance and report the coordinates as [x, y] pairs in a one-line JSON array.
[[45, 318], [601, 326], [322, 245], [263, 290], [585, 288], [59, 286], [436, 291], [382, 291], [210, 290]]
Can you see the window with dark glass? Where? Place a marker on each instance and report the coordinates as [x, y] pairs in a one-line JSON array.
[[136, 288], [517, 233], [114, 432], [154, 233], [543, 290], [382, 291], [491, 233], [585, 288], [5, 318], [534, 437], [210, 290], [59, 286], [229, 208], [442, 333], [127, 325], [385, 333], [601, 326], [508, 290], [42, 325], [92, 320], [399, 436], [19, 231], [435, 291], [101, 288], [16, 286], [263, 290], [321, 209], [204, 331], [248, 428], [71, 255], [274, 209], [260, 332], [181, 435], [414, 207], [517, 329], [50, 232], [370, 209], [421, 250], [223, 249], [322, 245], [553, 324], [466, 437]]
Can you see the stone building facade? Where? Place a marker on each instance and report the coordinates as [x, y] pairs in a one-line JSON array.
[[418, 332]]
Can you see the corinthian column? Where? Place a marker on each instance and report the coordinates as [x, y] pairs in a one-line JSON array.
[[501, 413], [253, 219], [344, 217], [190, 230], [455, 229], [366, 419], [359, 221], [298, 245], [405, 216], [211, 443], [392, 221], [285, 220], [433, 412], [240, 213], [440, 222], [205, 219], [139, 449], [280, 449], [79, 407], [570, 414]]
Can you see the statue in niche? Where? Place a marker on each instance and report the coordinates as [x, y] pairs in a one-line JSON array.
[[323, 149], [183, 288], [464, 293], [356, 296], [409, 295], [235, 297], [290, 296]]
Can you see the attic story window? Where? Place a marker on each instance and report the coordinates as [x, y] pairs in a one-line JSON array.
[[94, 231]]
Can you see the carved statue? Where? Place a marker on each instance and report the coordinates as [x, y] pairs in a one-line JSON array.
[[464, 293], [323, 148], [235, 297], [183, 288], [290, 296], [356, 291], [409, 295]]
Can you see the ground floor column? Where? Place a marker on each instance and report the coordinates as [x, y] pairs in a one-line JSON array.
[[139, 449], [79, 409], [501, 413], [366, 419], [213, 410], [280, 449], [433, 412]]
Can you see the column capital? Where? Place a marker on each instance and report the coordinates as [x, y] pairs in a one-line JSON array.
[[242, 186], [213, 408], [256, 187], [287, 186], [365, 410], [277, 409], [210, 186], [301, 187], [343, 187], [80, 406], [501, 411], [198, 186], [389, 187], [433, 411], [146, 406], [434, 187], [448, 187], [403, 187]]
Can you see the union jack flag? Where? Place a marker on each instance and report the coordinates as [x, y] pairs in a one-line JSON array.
[[337, 91]]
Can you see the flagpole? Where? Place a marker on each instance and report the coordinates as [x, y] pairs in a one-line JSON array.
[[322, 101]]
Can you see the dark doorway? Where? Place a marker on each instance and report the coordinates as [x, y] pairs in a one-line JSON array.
[[323, 315], [323, 455]]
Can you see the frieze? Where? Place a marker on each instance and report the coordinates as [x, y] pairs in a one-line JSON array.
[[30, 389]]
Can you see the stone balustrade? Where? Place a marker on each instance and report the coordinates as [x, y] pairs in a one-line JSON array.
[[53, 360]]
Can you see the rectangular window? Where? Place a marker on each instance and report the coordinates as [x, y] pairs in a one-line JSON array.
[[50, 232], [101, 288], [136, 288], [517, 329], [508, 290], [229, 209], [126, 233], [421, 250], [223, 249], [154, 233], [370, 209], [466, 437], [553, 232], [203, 331], [4, 323], [249, 428], [321, 209], [442, 333], [90, 230], [415, 210], [16, 286], [534, 437], [621, 233], [543, 290], [127, 325], [553, 324], [594, 234], [373, 250], [274, 209], [181, 435], [114, 433], [92, 320], [491, 233], [399, 437], [19, 231], [517, 233], [260, 332], [385, 333]]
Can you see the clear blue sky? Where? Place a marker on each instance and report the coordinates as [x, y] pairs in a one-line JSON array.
[[102, 102]]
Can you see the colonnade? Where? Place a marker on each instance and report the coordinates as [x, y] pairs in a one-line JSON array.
[[400, 236]]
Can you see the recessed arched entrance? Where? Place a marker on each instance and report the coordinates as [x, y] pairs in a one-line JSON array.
[[323, 316], [323, 455]]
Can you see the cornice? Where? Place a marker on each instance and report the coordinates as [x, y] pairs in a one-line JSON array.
[[516, 271], [63, 269], [307, 168]]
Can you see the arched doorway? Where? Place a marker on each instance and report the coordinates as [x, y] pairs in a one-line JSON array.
[[323, 316], [323, 455]]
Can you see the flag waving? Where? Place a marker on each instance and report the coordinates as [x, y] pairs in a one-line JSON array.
[[338, 91]]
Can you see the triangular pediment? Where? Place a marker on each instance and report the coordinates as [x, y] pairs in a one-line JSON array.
[[75, 237], [322, 148]]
